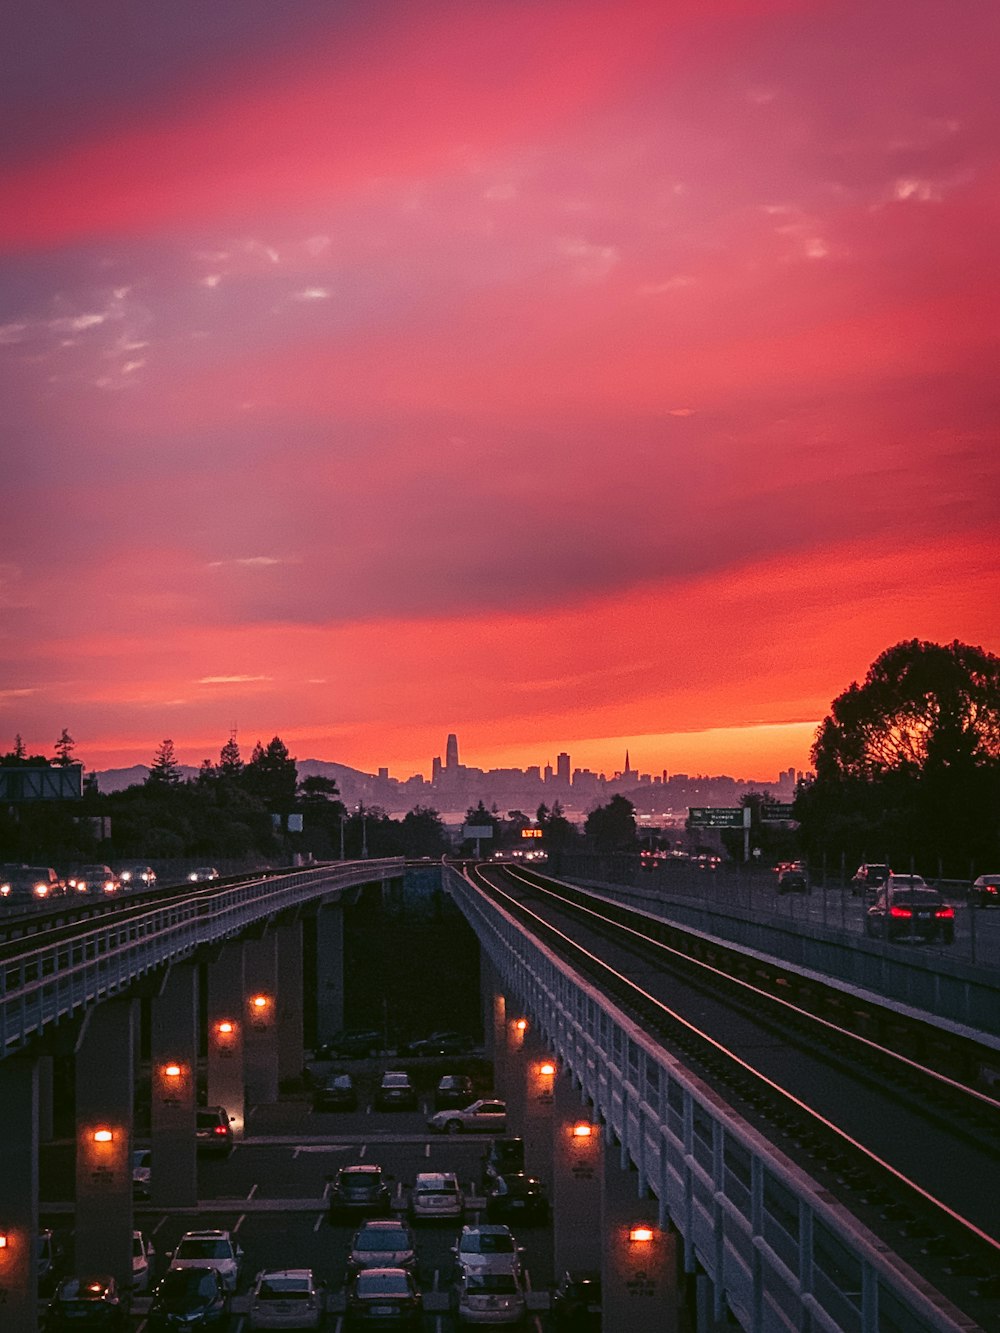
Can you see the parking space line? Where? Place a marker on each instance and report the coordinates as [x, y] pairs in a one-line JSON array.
[[319, 1222], [253, 1191], [363, 1149], [427, 1148], [239, 1222], [158, 1225]]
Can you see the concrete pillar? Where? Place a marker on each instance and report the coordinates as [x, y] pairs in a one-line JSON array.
[[329, 971], [538, 1076], [226, 1019], [290, 1003], [509, 1060], [173, 1075], [638, 1270], [105, 1088], [260, 1013], [46, 1094], [19, 1194], [577, 1175]]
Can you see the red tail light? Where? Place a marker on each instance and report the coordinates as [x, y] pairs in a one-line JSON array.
[[220, 1129], [945, 912], [900, 911]]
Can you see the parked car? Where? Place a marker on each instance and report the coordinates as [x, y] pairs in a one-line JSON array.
[[383, 1298], [137, 876], [203, 875], [395, 1093], [488, 1248], [517, 1198], [213, 1131], [576, 1301], [443, 1043], [286, 1298], [210, 1249], [436, 1195], [382, 1243], [489, 1298], [453, 1090], [50, 1258], [92, 1301], [185, 1299], [143, 1258], [502, 1156], [868, 878], [338, 1093], [357, 1190], [142, 1162], [793, 881], [906, 908], [985, 891], [488, 1115]]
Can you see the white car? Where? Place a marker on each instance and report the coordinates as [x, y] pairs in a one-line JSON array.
[[489, 1248], [286, 1298], [436, 1194], [487, 1116], [210, 1249], [143, 1256], [490, 1298]]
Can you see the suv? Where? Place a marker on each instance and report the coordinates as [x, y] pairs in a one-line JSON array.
[[209, 1249], [213, 1131], [357, 1190], [395, 1092], [436, 1194], [868, 879]]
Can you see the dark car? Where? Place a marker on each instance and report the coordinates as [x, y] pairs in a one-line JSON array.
[[985, 891], [517, 1198], [907, 908], [30, 883], [382, 1243], [453, 1090], [396, 1092], [357, 1190], [94, 1301], [792, 881], [443, 1043], [504, 1155], [383, 1298], [351, 1044], [576, 1301], [868, 878], [213, 1131], [338, 1093], [189, 1298]]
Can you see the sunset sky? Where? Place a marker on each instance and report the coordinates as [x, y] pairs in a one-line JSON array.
[[568, 374]]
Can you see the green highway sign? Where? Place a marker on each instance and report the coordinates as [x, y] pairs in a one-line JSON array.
[[711, 816], [776, 812]]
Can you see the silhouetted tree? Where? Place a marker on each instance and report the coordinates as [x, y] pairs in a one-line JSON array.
[[423, 833], [272, 775], [164, 770], [558, 834], [65, 746], [611, 827], [230, 762]]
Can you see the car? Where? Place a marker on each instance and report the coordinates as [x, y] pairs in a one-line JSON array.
[[488, 1115], [142, 1162], [576, 1301], [436, 1195], [383, 1298], [453, 1090], [137, 876], [210, 1249], [185, 1299], [487, 1248], [94, 879], [985, 891], [396, 1092], [382, 1243], [213, 1131], [202, 875], [143, 1258], [489, 1298], [503, 1155], [869, 877], [517, 1198], [286, 1298], [338, 1093], [357, 1190], [907, 908], [49, 1260], [30, 883], [91, 1301], [792, 881], [442, 1043]]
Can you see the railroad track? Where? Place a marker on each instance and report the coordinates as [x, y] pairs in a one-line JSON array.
[[913, 1149]]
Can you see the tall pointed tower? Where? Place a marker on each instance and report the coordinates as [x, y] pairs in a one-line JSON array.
[[451, 753]]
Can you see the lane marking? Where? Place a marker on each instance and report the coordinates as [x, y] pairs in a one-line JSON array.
[[253, 1191], [239, 1222], [363, 1149], [319, 1222], [427, 1148]]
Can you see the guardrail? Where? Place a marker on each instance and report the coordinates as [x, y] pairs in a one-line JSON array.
[[45, 978], [781, 1254]]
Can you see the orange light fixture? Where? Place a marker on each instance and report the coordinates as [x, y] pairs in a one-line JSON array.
[[225, 1028], [640, 1235], [521, 1025], [103, 1136], [259, 1001], [582, 1130], [547, 1068], [172, 1071], [3, 1240]]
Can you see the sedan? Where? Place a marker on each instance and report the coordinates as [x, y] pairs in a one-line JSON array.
[[490, 1298], [985, 891], [486, 1116], [396, 1092], [358, 1190], [286, 1298], [203, 875], [188, 1298], [436, 1195], [383, 1298], [907, 909], [382, 1244], [87, 1302], [518, 1198], [442, 1043], [338, 1093], [453, 1091]]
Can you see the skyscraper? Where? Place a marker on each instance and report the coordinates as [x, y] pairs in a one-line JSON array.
[[451, 753], [562, 768]]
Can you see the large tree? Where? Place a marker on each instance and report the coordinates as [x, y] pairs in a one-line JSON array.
[[611, 827], [164, 770], [272, 775]]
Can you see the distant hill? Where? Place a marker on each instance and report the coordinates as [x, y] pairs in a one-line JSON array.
[[347, 779]]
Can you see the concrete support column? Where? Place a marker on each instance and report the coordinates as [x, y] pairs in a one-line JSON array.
[[512, 1058], [19, 1194], [577, 1175], [290, 1002], [639, 1268], [329, 971], [538, 1074], [46, 1092], [494, 1024], [226, 1017], [173, 1070], [105, 1088], [260, 1012]]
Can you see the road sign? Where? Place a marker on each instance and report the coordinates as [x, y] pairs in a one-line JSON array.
[[721, 816], [58, 783], [777, 812]]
